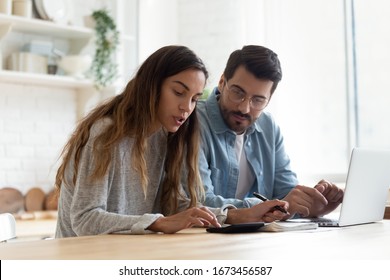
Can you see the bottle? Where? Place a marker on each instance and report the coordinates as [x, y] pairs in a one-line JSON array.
[[51, 65]]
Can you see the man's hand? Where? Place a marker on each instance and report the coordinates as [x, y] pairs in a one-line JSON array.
[[314, 202], [333, 194], [262, 212]]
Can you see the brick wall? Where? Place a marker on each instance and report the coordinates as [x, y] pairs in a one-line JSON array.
[[35, 123]]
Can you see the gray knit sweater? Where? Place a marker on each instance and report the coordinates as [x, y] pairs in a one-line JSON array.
[[115, 204]]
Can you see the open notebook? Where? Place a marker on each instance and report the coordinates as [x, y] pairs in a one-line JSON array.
[[366, 189], [276, 226], [287, 226]]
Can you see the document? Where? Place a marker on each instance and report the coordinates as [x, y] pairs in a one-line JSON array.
[[287, 226]]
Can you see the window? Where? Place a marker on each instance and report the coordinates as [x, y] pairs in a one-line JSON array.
[[372, 72], [334, 91], [311, 102]]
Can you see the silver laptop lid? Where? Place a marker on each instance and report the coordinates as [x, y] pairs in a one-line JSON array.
[[367, 187]]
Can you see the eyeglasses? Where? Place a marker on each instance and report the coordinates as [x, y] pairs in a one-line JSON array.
[[237, 96]]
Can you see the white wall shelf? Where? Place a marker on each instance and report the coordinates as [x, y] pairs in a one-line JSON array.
[[44, 80], [78, 37], [43, 27]]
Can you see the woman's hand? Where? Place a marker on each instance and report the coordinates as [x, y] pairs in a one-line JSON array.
[[197, 216], [262, 212]]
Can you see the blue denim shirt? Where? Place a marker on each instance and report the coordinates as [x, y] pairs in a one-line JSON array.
[[264, 148]]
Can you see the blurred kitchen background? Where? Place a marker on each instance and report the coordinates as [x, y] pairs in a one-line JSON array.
[[334, 53]]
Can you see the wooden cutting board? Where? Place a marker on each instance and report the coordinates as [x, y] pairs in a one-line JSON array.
[[51, 201], [34, 199], [11, 200]]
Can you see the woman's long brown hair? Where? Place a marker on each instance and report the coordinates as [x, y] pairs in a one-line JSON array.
[[133, 112]]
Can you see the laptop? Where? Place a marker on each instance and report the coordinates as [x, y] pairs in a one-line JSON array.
[[366, 189]]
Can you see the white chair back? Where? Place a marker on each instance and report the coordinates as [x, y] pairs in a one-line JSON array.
[[7, 227]]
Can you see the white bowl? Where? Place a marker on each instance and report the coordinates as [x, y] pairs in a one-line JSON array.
[[75, 65]]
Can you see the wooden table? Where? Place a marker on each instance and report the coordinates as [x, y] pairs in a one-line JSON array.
[[371, 241], [36, 229]]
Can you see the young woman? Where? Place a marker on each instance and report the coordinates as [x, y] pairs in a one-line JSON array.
[[122, 166]]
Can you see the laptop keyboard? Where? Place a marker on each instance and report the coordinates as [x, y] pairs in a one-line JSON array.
[[322, 220]]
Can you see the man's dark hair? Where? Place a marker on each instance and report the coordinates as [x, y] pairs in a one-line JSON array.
[[262, 62]]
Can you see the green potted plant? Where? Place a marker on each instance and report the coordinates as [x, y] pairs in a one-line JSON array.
[[104, 69]]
